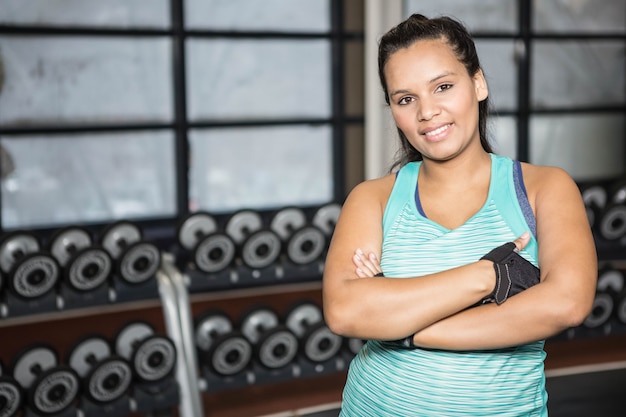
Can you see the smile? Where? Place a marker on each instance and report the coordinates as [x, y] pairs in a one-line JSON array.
[[437, 131]]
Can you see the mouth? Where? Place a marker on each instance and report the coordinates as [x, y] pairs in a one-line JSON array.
[[436, 132]]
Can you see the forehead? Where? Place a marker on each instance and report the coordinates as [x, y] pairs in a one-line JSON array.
[[422, 59]]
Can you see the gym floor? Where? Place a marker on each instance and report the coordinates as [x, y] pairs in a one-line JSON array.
[[584, 392]]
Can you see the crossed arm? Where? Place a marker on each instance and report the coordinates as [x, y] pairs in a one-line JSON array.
[[434, 307]]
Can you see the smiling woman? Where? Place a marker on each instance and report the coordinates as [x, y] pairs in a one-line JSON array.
[[409, 249]]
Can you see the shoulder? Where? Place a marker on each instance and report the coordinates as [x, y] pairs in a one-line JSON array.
[[373, 190], [548, 182]]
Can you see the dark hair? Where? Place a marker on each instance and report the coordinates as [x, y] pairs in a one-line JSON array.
[[419, 27]]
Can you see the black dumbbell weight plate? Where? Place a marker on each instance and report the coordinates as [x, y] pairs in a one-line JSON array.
[[601, 310], [88, 269], [277, 347], [306, 245], [325, 218], [109, 380], [51, 388], [612, 222], [117, 236], [225, 351], [286, 221], [214, 253], [106, 377], [229, 354], [139, 262], [54, 390], [15, 246], [317, 342], [11, 397], [193, 228], [88, 352], [154, 358], [68, 241], [320, 343], [34, 276], [261, 249]]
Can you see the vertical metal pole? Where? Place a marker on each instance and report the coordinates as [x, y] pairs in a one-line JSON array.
[[524, 79], [180, 107], [338, 108]]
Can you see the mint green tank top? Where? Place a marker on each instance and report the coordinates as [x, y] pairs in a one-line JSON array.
[[387, 380]]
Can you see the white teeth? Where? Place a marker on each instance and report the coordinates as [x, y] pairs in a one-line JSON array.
[[437, 131]]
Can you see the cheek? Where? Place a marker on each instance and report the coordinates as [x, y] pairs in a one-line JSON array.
[[402, 118]]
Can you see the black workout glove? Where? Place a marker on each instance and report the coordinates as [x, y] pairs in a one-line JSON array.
[[514, 274]]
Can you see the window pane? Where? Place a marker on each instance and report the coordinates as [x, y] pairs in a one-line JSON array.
[[589, 147], [260, 167], [591, 16], [478, 15], [258, 79], [503, 135], [68, 179], [115, 13], [578, 73], [498, 61], [271, 15], [64, 79]]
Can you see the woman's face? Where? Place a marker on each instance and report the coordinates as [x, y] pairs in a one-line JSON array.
[[434, 101]]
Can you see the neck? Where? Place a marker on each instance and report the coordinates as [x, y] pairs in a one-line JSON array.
[[457, 172]]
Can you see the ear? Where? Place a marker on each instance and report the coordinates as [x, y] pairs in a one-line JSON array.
[[480, 85]]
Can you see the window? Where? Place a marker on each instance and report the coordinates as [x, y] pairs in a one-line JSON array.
[[149, 109]]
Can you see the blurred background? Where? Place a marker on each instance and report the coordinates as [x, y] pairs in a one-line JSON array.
[[151, 110]]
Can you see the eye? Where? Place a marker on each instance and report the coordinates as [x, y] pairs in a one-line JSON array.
[[444, 87], [405, 100]]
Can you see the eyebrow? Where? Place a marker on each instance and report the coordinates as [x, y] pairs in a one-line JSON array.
[[432, 80]]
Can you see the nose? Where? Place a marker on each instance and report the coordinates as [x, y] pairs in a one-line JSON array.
[[428, 109]]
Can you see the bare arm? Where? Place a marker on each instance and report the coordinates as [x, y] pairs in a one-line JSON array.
[[389, 308], [564, 297]]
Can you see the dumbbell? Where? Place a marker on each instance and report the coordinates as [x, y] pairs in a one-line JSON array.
[[604, 299], [223, 349], [31, 272], [595, 199], [303, 243], [612, 218], [325, 218], [275, 346], [151, 356], [212, 251], [50, 387], [85, 267], [612, 222], [11, 396], [259, 247], [612, 282], [105, 377], [317, 342], [136, 260]]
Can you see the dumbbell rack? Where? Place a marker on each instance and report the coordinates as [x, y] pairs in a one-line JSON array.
[[309, 384], [602, 337]]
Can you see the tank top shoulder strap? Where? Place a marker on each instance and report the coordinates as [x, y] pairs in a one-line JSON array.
[[405, 185], [512, 198]]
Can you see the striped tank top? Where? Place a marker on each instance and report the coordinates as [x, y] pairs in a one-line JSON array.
[[387, 380]]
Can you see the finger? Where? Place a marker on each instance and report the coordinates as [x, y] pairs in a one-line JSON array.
[[371, 263], [365, 267], [362, 269], [522, 241]]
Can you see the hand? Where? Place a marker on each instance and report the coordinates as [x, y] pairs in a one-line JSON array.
[[367, 266], [514, 274]]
